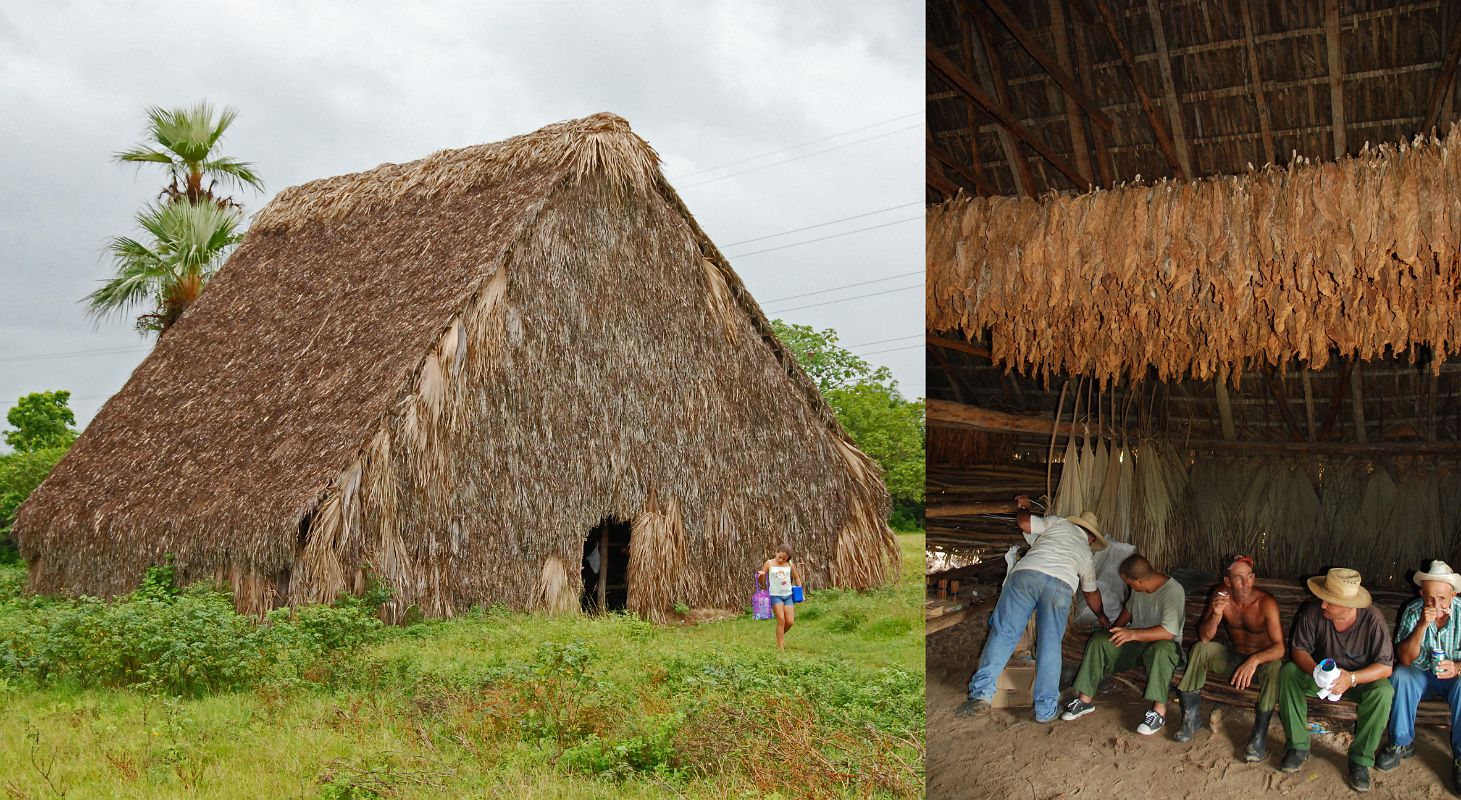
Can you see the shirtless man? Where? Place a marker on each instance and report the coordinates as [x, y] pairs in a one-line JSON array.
[[1250, 616]]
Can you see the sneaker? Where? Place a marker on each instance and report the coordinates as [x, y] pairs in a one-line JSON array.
[[1390, 755], [1151, 723], [1076, 709], [1359, 777], [972, 707], [1293, 760]]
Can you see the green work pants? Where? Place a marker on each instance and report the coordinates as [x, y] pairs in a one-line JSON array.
[[1220, 660], [1104, 659], [1372, 714]]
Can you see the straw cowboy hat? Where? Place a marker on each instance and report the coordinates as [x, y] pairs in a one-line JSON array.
[[1439, 571], [1087, 520], [1342, 588]]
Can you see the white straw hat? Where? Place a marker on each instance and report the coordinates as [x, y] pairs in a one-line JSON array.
[[1439, 571]]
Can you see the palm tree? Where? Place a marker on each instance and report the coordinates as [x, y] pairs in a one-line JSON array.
[[184, 139], [189, 242]]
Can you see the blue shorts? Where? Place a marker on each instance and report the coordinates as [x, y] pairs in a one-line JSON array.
[[781, 600]]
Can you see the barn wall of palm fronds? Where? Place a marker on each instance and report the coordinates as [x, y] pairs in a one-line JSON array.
[[445, 374]]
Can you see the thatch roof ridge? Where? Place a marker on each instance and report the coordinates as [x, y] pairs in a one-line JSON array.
[[599, 143]]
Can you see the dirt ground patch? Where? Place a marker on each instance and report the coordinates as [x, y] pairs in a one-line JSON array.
[[1007, 755]]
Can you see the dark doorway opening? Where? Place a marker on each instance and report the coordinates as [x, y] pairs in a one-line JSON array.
[[606, 566]]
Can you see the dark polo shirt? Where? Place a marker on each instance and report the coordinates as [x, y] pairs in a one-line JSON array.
[[1366, 642]]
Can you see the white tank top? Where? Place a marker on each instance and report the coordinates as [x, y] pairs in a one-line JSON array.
[[778, 580]]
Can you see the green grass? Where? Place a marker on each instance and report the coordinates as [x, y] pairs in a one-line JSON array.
[[503, 704]]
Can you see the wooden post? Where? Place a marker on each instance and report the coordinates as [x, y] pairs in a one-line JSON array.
[[1087, 76], [1309, 402], [1337, 399], [1225, 405], [1336, 78], [1357, 400], [1159, 131], [992, 78], [1443, 79], [1058, 71], [1072, 109], [1265, 125], [1169, 87], [970, 117]]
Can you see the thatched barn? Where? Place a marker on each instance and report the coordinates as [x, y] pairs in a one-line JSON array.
[[463, 375], [1197, 266]]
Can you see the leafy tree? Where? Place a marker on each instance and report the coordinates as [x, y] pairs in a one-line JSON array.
[[41, 420], [184, 140], [866, 400], [20, 474], [188, 244], [830, 366]]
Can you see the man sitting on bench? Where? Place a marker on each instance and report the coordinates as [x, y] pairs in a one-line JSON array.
[[1429, 625], [1344, 627], [1250, 616], [1155, 611]]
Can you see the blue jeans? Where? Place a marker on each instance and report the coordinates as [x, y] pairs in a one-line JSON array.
[[1048, 598], [1414, 685]]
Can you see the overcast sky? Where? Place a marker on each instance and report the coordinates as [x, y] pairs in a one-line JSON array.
[[770, 117]]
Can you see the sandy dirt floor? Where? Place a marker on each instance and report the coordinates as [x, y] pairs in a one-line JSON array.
[[1006, 754]]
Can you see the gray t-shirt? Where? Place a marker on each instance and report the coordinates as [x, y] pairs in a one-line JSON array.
[[1059, 548], [1167, 607]]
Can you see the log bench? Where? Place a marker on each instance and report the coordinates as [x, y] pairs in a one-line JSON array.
[[1291, 594]]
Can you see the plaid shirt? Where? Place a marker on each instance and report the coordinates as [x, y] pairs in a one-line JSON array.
[[1446, 638]]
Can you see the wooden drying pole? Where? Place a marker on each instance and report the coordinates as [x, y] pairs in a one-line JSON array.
[[1336, 75], [1098, 136], [1357, 402], [1169, 87], [1225, 405], [1164, 141], [971, 117], [1331, 415], [1265, 125], [1078, 144], [954, 344], [944, 414]]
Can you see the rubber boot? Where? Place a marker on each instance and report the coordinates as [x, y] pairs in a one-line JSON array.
[[1258, 745], [1191, 716]]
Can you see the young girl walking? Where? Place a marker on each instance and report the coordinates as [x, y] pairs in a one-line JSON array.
[[781, 576]]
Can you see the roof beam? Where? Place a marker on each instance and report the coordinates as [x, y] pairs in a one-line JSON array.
[[953, 344], [1098, 136], [966, 41], [1336, 74], [1444, 78], [1078, 145], [951, 73], [1169, 86], [1058, 71], [1265, 125], [994, 84], [1159, 131], [947, 159], [939, 183]]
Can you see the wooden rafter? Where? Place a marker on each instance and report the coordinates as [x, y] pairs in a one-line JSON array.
[[1169, 87], [1057, 71], [1078, 145], [994, 84], [940, 182], [1098, 136], [947, 159], [1265, 124], [1159, 131], [966, 41], [1444, 78], [950, 71], [1331, 415], [1336, 74]]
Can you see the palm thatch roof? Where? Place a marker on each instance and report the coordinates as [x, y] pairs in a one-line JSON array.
[[446, 372]]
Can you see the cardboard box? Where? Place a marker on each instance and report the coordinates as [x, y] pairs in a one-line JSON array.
[[1014, 688]]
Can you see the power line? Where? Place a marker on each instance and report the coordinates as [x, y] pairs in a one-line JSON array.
[[802, 156], [794, 146], [892, 349], [74, 354], [845, 299], [844, 286], [823, 224], [825, 238], [883, 341]]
